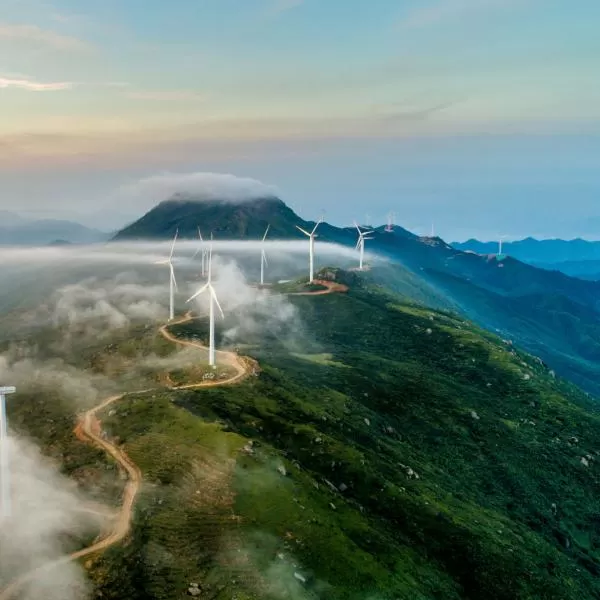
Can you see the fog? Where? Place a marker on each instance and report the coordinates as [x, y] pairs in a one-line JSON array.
[[90, 293], [147, 192]]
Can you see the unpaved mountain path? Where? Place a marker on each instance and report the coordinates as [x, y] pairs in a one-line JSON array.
[[331, 287], [89, 429]]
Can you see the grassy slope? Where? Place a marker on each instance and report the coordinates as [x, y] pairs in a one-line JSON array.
[[502, 507]]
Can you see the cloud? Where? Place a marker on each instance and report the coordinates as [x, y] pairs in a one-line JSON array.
[[166, 95], [443, 10], [34, 86], [202, 186], [36, 35], [279, 6], [96, 306], [46, 515]]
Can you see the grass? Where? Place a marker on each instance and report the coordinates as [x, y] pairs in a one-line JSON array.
[[438, 463]]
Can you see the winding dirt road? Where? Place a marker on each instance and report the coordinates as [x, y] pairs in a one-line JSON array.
[[331, 287], [89, 429]]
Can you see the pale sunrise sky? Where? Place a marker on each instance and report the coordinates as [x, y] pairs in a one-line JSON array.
[[430, 108]]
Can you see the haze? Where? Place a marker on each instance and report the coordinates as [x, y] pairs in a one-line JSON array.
[[434, 109]]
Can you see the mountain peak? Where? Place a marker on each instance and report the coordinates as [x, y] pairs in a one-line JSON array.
[[239, 219]]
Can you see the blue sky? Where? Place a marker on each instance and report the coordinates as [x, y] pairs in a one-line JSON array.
[[430, 108]]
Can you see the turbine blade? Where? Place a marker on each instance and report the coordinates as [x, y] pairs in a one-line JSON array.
[[173, 244], [357, 228], [214, 296], [200, 234], [303, 231], [318, 223], [173, 276], [267, 231], [200, 291]]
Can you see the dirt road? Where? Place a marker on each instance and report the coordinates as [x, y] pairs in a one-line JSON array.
[[331, 288], [89, 429]]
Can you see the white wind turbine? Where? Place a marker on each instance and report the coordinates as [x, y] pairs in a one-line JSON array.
[[360, 245], [172, 281], [204, 251], [263, 258], [500, 240], [4, 465], [211, 311], [311, 247]]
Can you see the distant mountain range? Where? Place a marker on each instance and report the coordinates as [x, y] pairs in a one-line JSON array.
[[16, 230], [580, 258], [555, 316]]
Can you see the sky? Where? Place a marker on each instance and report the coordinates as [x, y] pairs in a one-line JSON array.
[[481, 116]]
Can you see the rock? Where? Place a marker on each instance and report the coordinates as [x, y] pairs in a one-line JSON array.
[[282, 470], [299, 577], [112, 412], [194, 591], [585, 462], [527, 377], [429, 331], [332, 505], [367, 422], [475, 415], [552, 374], [343, 487]]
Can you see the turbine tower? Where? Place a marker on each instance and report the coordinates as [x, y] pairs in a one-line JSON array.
[[4, 466], [360, 245], [263, 258], [204, 251], [211, 311], [311, 248], [172, 282], [500, 240], [390, 222]]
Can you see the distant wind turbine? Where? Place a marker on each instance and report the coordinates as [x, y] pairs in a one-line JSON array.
[[500, 240], [4, 465], [213, 301], [263, 258], [390, 222], [360, 245], [204, 251], [172, 281], [311, 248]]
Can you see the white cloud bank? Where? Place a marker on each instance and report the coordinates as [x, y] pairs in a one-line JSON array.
[[202, 186]]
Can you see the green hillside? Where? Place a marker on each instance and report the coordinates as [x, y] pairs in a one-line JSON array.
[[396, 452]]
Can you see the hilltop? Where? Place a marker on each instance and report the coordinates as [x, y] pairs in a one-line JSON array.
[[539, 309], [387, 450], [226, 219]]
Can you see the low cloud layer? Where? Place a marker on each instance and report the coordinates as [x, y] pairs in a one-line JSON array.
[[201, 186], [47, 514]]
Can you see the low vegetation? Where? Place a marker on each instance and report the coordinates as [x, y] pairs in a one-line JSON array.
[[400, 453]]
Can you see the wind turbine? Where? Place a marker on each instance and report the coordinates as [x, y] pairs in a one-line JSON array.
[[263, 258], [4, 466], [500, 240], [311, 247], [172, 281], [204, 251], [360, 245], [390, 222], [211, 311]]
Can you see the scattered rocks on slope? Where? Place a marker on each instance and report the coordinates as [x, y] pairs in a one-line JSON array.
[[475, 415], [282, 470]]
